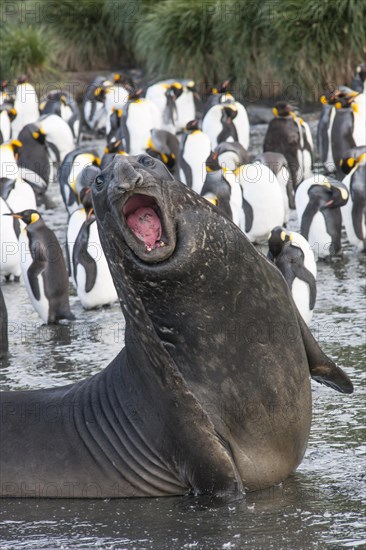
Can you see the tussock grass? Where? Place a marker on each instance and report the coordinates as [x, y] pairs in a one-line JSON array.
[[269, 46], [174, 38], [81, 30], [26, 50]]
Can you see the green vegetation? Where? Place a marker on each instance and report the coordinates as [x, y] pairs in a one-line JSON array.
[[25, 49], [287, 43]]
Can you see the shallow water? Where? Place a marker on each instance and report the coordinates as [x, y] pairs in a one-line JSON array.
[[320, 506]]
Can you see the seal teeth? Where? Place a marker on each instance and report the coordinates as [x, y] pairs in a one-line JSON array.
[[159, 244]]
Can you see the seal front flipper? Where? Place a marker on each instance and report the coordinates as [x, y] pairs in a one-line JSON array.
[[322, 369]]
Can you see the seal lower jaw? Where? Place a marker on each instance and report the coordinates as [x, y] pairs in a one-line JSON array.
[[147, 229]]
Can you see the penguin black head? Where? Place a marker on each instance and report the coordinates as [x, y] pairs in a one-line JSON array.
[[339, 194], [12, 113], [38, 134], [230, 112], [27, 216], [102, 91], [114, 147], [283, 109], [22, 79], [15, 144], [192, 125], [352, 158], [232, 147], [342, 98], [212, 163], [191, 86], [223, 87], [124, 80], [135, 94], [278, 237], [330, 193], [175, 90]]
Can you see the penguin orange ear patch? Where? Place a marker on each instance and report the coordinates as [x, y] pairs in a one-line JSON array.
[[350, 162], [323, 100], [338, 105], [275, 111], [16, 143]]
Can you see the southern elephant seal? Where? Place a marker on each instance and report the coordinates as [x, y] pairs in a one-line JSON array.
[[209, 394]]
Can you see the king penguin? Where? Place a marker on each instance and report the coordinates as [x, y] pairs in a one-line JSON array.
[[289, 135], [195, 148], [90, 271], [346, 127], [43, 268], [318, 201], [293, 256], [354, 211]]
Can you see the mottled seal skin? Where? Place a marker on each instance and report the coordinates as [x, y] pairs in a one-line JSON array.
[[211, 393]]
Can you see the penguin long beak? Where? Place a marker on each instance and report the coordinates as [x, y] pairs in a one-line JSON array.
[[90, 214], [13, 215], [329, 203]]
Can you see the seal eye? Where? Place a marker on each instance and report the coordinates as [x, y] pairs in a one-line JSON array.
[[148, 162], [99, 180]]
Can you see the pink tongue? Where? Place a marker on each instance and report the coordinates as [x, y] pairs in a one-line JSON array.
[[145, 223]]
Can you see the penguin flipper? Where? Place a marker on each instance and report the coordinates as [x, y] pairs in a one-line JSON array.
[[304, 274], [322, 368], [248, 213], [307, 219], [34, 270], [81, 256]]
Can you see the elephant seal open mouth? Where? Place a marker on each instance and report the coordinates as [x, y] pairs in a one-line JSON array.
[[211, 393]]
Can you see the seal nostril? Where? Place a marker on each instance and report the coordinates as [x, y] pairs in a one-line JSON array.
[[130, 183], [126, 176]]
